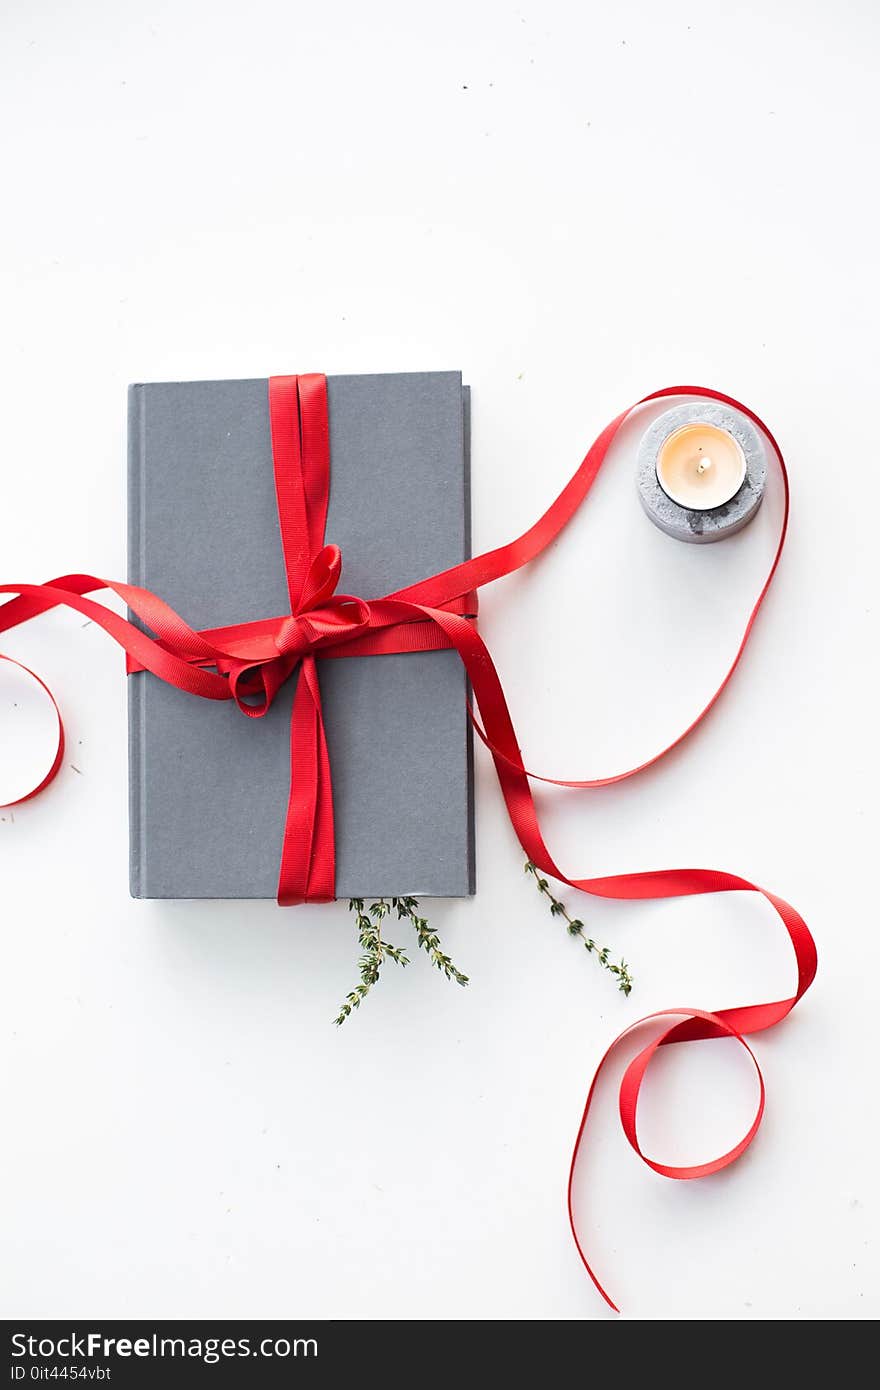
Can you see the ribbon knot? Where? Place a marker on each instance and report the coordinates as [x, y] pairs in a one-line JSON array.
[[323, 619], [339, 621], [291, 639]]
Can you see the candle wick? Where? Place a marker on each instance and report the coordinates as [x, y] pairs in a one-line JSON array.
[[704, 465]]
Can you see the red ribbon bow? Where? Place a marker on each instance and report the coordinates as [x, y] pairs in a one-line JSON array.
[[250, 661]]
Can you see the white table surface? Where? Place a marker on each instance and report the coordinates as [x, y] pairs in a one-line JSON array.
[[575, 204]]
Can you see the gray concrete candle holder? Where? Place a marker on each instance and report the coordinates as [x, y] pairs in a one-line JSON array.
[[702, 526]]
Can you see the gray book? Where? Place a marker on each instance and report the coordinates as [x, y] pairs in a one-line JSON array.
[[208, 786]]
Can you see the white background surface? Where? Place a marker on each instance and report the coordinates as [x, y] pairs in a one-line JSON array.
[[575, 204]]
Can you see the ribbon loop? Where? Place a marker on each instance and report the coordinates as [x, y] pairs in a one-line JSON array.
[[254, 687], [323, 576]]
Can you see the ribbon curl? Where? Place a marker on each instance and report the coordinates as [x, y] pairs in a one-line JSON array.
[[249, 662]]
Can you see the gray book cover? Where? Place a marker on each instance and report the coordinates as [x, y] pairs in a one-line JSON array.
[[209, 787]]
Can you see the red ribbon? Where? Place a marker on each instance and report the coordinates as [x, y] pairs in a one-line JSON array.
[[249, 662]]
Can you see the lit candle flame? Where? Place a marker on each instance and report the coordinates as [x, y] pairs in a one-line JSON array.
[[704, 465]]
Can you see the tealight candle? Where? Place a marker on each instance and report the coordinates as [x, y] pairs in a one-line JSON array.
[[701, 466], [701, 471]]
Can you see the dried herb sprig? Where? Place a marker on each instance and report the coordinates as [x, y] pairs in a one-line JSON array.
[[576, 928], [428, 940], [376, 948]]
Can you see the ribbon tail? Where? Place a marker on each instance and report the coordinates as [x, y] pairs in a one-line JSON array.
[[308, 855], [58, 756], [499, 736], [713, 1025]]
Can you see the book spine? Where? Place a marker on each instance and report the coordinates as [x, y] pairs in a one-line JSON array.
[[468, 728], [136, 424]]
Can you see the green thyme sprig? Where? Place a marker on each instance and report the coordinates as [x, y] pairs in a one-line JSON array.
[[428, 940], [376, 948], [576, 928]]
